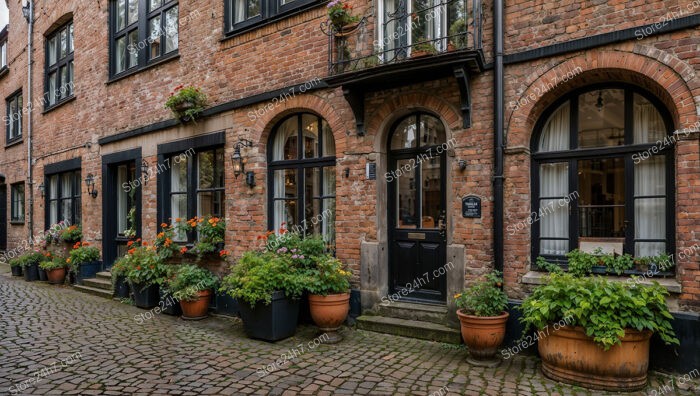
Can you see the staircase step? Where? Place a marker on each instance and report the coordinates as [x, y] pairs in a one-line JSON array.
[[98, 283], [412, 311], [94, 291], [409, 328], [105, 275]]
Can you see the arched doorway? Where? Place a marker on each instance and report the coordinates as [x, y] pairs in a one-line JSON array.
[[417, 208]]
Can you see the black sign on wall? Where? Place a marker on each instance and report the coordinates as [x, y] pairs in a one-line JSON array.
[[471, 206]]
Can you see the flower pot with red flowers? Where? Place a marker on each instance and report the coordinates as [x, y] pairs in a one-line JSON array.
[[145, 274], [328, 284], [186, 103], [341, 18], [483, 316], [210, 232], [119, 284], [85, 261], [55, 270], [72, 234], [192, 286]]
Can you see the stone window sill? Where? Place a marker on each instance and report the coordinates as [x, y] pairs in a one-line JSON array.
[[537, 278]]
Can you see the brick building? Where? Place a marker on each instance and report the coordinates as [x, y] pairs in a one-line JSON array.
[[408, 164]]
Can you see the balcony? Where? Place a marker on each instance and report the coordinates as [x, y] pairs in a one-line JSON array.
[[413, 41]]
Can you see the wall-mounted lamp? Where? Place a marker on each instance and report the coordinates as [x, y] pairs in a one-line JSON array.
[[27, 11], [90, 183], [462, 165], [250, 178], [144, 171], [237, 160], [42, 189]]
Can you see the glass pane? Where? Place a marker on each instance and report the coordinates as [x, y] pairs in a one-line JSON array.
[[601, 120], [66, 185], [121, 14], [328, 222], [253, 8], [133, 42], [69, 83], [178, 174], [432, 131], [555, 133], [52, 50], [3, 55], [205, 171], [553, 216], [285, 212], [154, 33], [554, 247], [431, 203], [53, 212], [405, 135], [133, 11], [77, 183], [285, 145], [650, 216], [602, 197], [66, 209], [122, 199], [178, 210], [70, 38], [239, 11], [53, 187], [394, 31], [309, 125], [64, 43], [426, 22], [648, 124], [328, 181], [64, 80], [153, 4], [650, 176], [406, 215], [554, 179], [210, 203], [120, 61], [52, 88], [171, 30], [219, 175], [78, 213], [646, 249], [328, 140], [285, 181], [312, 201]]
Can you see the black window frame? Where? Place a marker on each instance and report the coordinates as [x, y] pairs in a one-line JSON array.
[[4, 44], [66, 61], [624, 151], [270, 11], [18, 98], [14, 202], [143, 60], [299, 165], [59, 169]]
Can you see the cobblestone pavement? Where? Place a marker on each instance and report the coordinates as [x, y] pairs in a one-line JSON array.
[[103, 350]]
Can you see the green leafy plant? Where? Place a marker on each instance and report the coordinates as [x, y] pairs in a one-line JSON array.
[[73, 233], [31, 258], [257, 275], [55, 263], [144, 266], [458, 33], [328, 277], [547, 266], [189, 279], [186, 102], [83, 253], [370, 61], [620, 263], [131, 220], [424, 46], [120, 269], [17, 262], [210, 234], [339, 14], [581, 263], [484, 298], [164, 244], [603, 308]]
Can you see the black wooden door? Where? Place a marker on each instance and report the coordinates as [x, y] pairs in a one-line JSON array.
[[3, 216]]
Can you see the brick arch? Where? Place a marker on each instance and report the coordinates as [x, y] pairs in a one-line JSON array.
[[396, 107], [299, 104], [668, 78]]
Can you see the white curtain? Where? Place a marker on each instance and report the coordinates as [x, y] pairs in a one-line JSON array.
[[650, 213], [554, 213], [328, 209], [240, 10], [555, 134], [178, 202], [122, 200], [648, 124], [288, 129]]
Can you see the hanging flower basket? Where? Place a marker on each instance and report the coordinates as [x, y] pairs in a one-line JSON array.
[[186, 103], [339, 14]]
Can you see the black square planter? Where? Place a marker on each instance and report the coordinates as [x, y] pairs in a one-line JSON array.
[[31, 272], [17, 270], [42, 275], [226, 305], [168, 304], [121, 287], [87, 271], [145, 297], [272, 322]]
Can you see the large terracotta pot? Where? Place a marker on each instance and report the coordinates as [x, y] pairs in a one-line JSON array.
[[483, 334], [329, 313], [570, 356], [56, 276], [196, 309]]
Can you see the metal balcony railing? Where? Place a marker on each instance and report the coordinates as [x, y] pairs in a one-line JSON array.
[[406, 30]]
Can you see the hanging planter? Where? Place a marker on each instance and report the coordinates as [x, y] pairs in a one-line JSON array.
[[340, 17], [186, 103]]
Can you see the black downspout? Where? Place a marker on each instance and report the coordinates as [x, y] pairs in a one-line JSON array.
[[498, 136]]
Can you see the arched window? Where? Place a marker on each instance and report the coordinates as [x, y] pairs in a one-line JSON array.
[[301, 168], [602, 174]]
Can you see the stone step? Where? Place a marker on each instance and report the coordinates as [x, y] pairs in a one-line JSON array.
[[105, 275], [409, 328], [94, 291], [412, 311], [98, 283]]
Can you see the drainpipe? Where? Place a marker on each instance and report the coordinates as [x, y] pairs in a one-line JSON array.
[[498, 135], [30, 175]]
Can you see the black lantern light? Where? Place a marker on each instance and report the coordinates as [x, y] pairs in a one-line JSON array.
[[42, 189], [27, 11], [90, 183], [239, 163]]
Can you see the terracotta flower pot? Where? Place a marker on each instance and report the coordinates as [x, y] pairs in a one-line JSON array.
[[329, 313], [196, 309], [483, 335], [570, 356], [56, 276]]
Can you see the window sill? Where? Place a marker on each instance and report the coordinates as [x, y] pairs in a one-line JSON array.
[[14, 142], [4, 71], [239, 31], [164, 59], [16, 222], [671, 285], [58, 104]]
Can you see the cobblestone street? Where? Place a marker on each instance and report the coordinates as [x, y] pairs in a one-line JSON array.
[[106, 351]]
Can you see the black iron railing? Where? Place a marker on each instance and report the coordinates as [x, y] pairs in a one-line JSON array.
[[407, 30]]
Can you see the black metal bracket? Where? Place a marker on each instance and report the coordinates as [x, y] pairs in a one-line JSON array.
[[462, 76], [356, 99]]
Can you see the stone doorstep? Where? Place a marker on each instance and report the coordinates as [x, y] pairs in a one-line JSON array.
[[411, 311], [98, 283], [106, 275], [409, 328], [93, 290]]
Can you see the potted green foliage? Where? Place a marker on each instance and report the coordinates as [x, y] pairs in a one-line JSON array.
[[423, 48], [55, 270], [210, 235], [119, 284], [328, 285], [458, 34], [72, 234], [30, 265], [85, 261], [16, 265], [192, 286], [145, 274], [601, 329], [168, 304], [482, 312], [186, 103], [340, 16]]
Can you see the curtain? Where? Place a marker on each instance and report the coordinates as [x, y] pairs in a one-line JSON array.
[[66, 201], [554, 214], [650, 213], [555, 134], [286, 130], [239, 13], [178, 202], [122, 200], [648, 124]]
